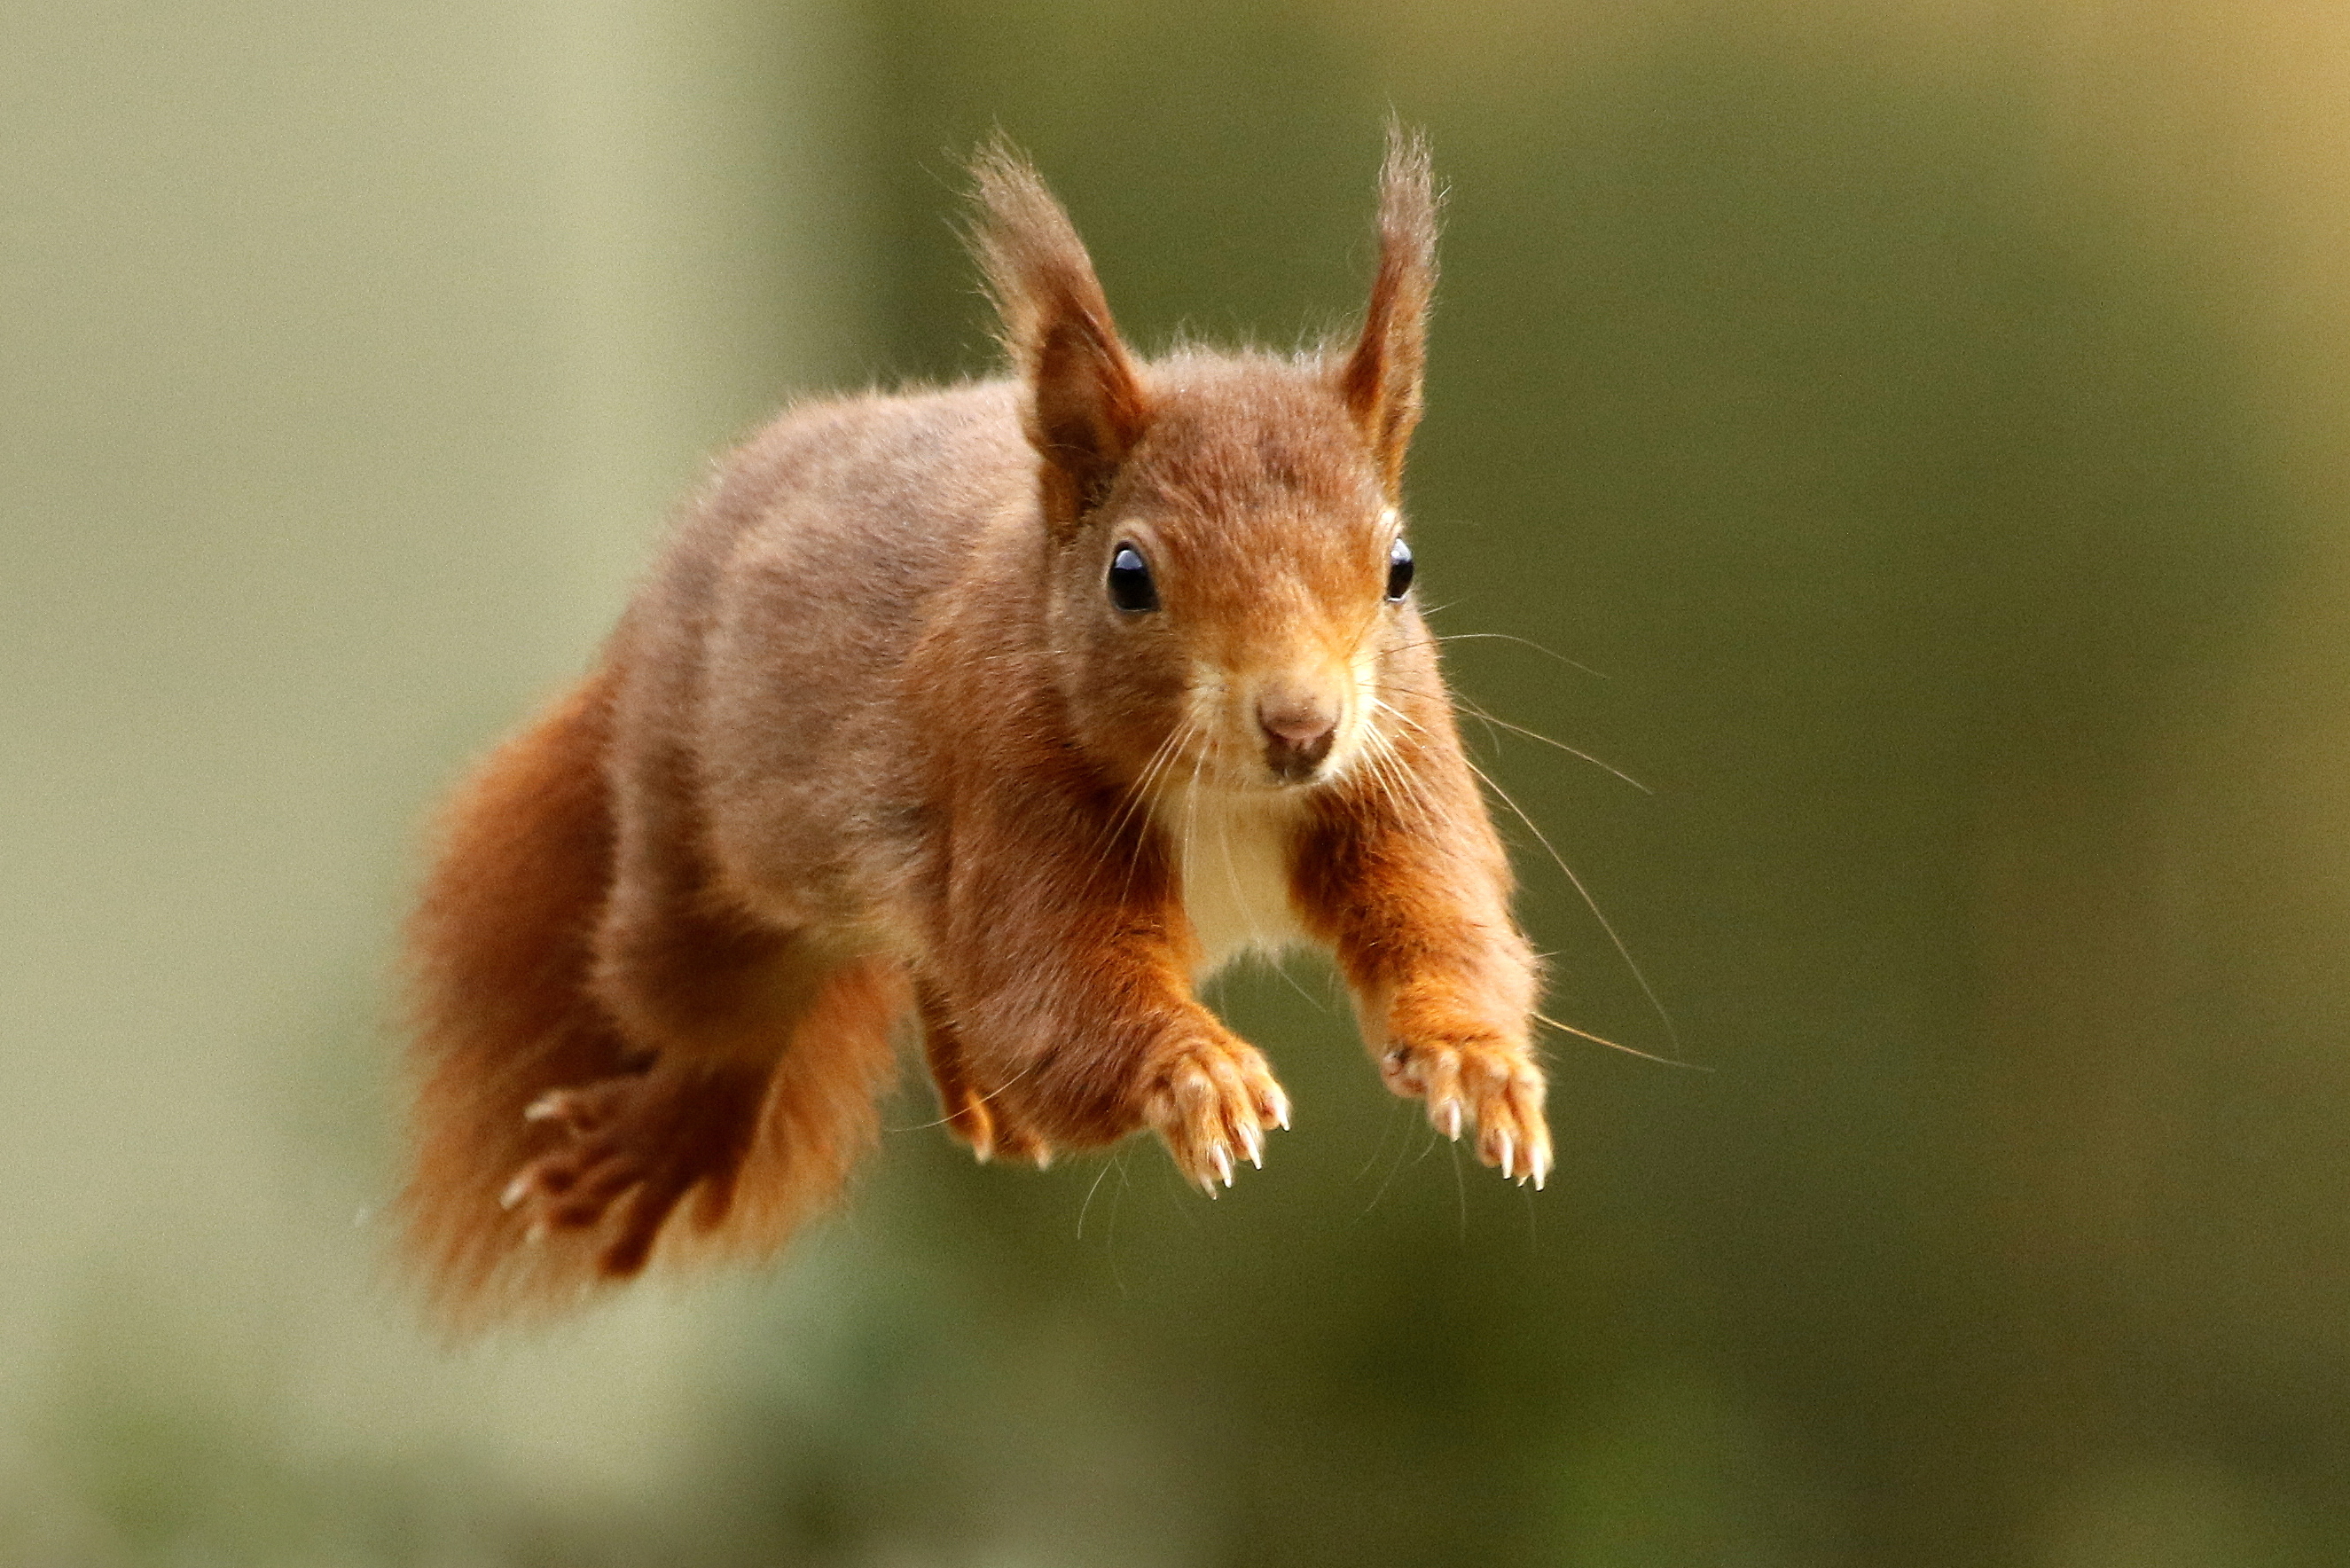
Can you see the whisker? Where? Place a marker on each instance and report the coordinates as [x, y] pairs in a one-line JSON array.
[[1241, 901], [944, 1120], [1476, 711], [1612, 1045], [1403, 792], [1385, 767], [1136, 794], [1522, 642], [1405, 786], [1472, 708], [1087, 1207], [1160, 761], [1584, 893], [1190, 816], [1139, 795], [1109, 1229], [1381, 771], [1281, 968], [1403, 1157], [1408, 778]]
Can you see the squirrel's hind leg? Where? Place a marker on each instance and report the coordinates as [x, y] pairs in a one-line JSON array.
[[631, 1148], [977, 1116], [760, 1052], [749, 1141]]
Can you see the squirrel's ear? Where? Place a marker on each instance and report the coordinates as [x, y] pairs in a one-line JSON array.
[[1380, 380], [1087, 405]]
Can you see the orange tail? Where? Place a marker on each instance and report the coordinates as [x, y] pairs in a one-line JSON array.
[[499, 954]]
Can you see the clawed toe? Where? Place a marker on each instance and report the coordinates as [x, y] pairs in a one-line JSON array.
[[1212, 1104], [1491, 1086], [991, 1131], [580, 1112], [627, 1151]]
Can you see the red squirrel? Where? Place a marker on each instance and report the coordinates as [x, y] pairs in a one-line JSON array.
[[1019, 707]]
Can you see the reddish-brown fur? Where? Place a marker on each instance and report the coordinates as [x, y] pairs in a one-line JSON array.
[[876, 739]]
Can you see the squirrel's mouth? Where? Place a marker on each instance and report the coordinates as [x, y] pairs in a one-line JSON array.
[[1258, 733], [1255, 766], [1284, 765], [1298, 759]]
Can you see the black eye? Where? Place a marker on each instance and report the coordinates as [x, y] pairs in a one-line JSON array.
[[1398, 571], [1130, 587]]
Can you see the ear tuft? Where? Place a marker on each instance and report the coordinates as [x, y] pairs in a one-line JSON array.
[[1087, 405], [1380, 380]]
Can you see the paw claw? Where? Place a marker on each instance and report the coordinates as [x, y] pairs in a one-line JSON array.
[[624, 1151], [1210, 1099], [994, 1131], [1468, 1077]]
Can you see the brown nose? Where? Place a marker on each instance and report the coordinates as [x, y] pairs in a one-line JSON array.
[[1298, 727]]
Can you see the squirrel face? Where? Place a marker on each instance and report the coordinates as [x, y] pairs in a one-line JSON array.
[[1221, 615], [1227, 569]]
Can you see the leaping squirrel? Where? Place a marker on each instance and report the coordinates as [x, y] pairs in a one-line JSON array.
[[1021, 706]]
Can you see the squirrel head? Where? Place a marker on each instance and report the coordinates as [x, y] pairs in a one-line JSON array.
[[1229, 583]]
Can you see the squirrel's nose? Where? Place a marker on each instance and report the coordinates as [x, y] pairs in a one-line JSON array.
[[1299, 726]]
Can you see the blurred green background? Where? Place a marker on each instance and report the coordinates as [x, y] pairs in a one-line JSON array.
[[1931, 421]]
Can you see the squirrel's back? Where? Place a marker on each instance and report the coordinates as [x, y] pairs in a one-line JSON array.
[[767, 655], [871, 499]]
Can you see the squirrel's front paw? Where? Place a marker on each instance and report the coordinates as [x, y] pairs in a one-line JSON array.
[[1212, 1101], [1480, 1082]]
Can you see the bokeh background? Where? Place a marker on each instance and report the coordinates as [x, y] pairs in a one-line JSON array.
[[1927, 424]]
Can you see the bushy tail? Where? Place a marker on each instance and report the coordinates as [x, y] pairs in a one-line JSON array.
[[499, 954]]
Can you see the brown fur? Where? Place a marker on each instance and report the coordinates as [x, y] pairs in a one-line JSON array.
[[876, 739]]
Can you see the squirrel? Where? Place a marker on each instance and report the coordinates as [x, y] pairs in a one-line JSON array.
[[1020, 707]]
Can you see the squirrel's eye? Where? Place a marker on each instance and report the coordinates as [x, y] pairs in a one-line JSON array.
[[1398, 571], [1130, 587]]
